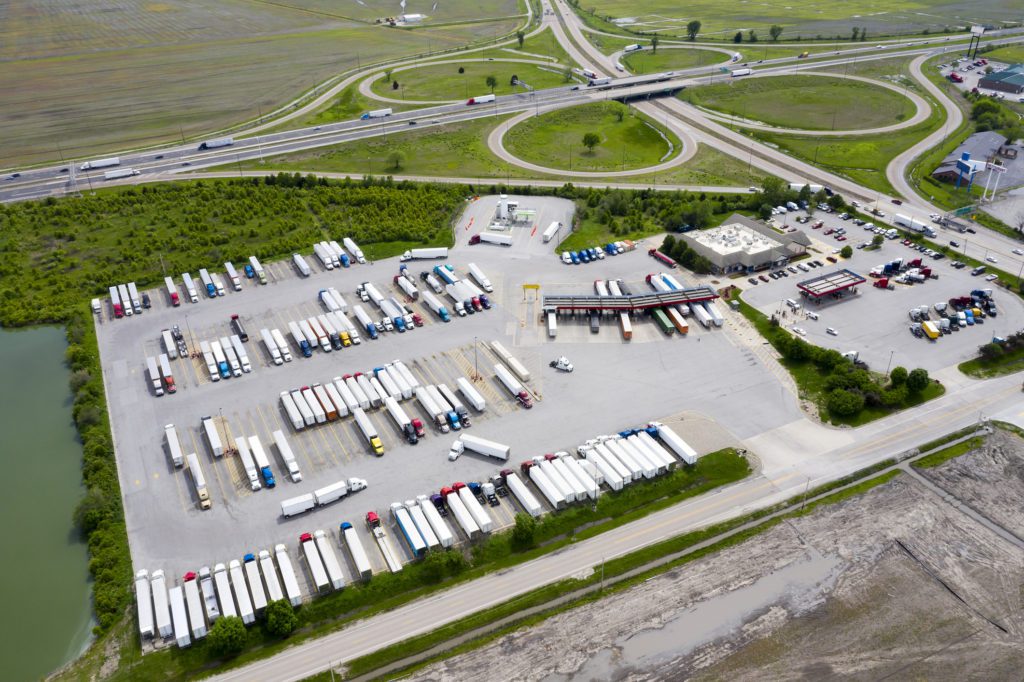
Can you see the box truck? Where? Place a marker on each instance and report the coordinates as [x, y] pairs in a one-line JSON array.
[[198, 480], [355, 548], [291, 584]]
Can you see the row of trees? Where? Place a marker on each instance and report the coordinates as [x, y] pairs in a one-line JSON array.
[[680, 250], [991, 114]]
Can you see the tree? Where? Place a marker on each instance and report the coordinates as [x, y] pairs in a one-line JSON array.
[[281, 618], [620, 113], [654, 45], [396, 159], [836, 202], [523, 532], [692, 29], [877, 240], [843, 403], [462, 69], [775, 31], [492, 82], [513, 80], [846, 251], [752, 36], [918, 380], [990, 351], [521, 37], [394, 85], [854, 33], [591, 140], [863, 34], [738, 38], [387, 75], [227, 636]]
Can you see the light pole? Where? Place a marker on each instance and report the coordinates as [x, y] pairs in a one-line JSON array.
[[476, 363], [889, 363]]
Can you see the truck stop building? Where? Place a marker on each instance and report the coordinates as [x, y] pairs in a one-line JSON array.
[[740, 244], [832, 285], [1010, 79]]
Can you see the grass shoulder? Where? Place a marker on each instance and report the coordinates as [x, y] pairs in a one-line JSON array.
[[460, 81], [997, 358], [938, 457]]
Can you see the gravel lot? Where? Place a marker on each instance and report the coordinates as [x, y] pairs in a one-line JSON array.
[[709, 369]]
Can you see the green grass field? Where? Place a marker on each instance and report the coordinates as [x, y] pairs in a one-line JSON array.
[[1012, 54], [555, 140], [444, 82], [93, 77], [436, 12], [820, 103], [893, 70], [808, 19], [669, 59]]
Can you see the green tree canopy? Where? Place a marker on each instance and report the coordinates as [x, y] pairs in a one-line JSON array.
[[227, 636], [692, 29], [591, 140], [281, 618], [918, 380]]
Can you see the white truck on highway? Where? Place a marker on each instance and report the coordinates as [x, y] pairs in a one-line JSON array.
[[100, 163]]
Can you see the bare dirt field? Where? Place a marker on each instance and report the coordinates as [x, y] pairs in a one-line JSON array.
[[896, 582]]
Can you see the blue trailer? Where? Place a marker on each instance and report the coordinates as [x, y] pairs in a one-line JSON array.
[[417, 545], [446, 274]]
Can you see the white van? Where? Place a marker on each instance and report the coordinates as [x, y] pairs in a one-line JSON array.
[[793, 305]]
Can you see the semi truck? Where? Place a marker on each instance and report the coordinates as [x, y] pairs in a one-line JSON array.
[[211, 363], [407, 286], [336, 491], [472, 395], [362, 401], [161, 606], [252, 575], [125, 300], [319, 333], [368, 390], [340, 406], [170, 345], [287, 456], [133, 296], [194, 603], [511, 361], [211, 289], [354, 249], [323, 253], [218, 285], [241, 592], [522, 493], [271, 345], [389, 381], [417, 545], [206, 586], [346, 393], [380, 536], [314, 563], [547, 488], [236, 280], [100, 163], [291, 584], [243, 355], [248, 463], [144, 604], [115, 303], [376, 113], [257, 268], [282, 344], [212, 436], [453, 400], [227, 602], [120, 173], [229, 353], [513, 385], [218, 142], [330, 559], [486, 447], [435, 305], [461, 514], [190, 287], [299, 337], [491, 238], [198, 480], [274, 591], [446, 412], [262, 462], [220, 360], [301, 265], [365, 321], [369, 432], [322, 397], [355, 548], [178, 612], [736, 73], [425, 254], [483, 99], [437, 524], [476, 273], [154, 376], [433, 411], [480, 516], [401, 420], [319, 414]]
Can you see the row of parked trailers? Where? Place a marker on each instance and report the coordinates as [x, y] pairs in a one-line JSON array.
[[225, 357], [125, 300], [671, 317]]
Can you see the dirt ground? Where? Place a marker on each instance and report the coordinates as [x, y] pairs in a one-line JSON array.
[[896, 582]]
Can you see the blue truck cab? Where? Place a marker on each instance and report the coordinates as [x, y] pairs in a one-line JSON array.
[[399, 323], [371, 330], [485, 302], [225, 370], [575, 257], [211, 291], [453, 421], [610, 249], [307, 350], [249, 272], [248, 558], [345, 260], [268, 477]]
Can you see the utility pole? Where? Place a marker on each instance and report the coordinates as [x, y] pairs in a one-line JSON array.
[[476, 364]]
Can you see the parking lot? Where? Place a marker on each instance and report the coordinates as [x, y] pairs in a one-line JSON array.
[[616, 385], [875, 322]]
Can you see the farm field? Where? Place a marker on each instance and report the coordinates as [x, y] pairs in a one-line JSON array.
[[133, 76], [436, 12], [806, 103], [552, 139], [808, 19], [444, 82]]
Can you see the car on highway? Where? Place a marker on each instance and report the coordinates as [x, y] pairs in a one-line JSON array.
[[831, 331], [1019, 252], [954, 244], [991, 259], [898, 202]]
